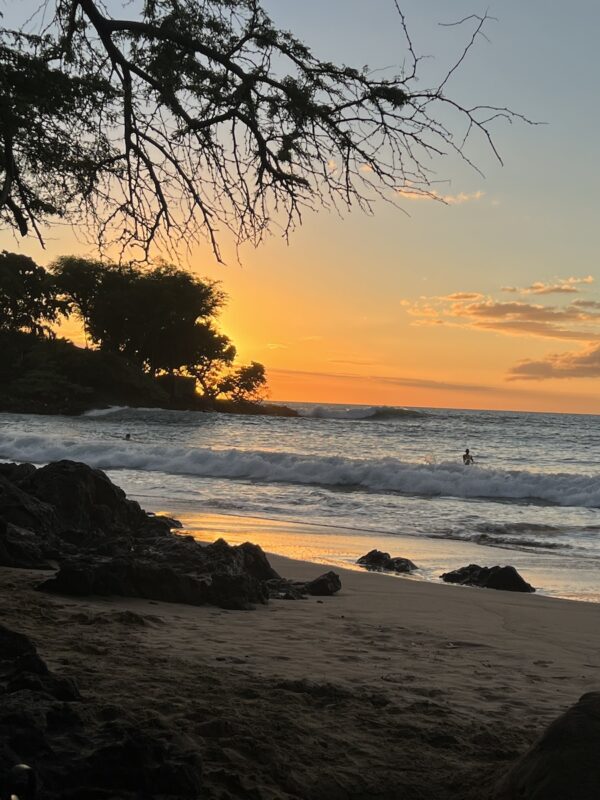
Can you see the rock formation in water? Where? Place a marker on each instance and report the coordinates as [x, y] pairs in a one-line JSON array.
[[377, 561]]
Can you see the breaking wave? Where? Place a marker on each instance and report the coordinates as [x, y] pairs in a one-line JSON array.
[[384, 475], [358, 412]]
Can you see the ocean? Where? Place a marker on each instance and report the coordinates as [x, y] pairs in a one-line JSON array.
[[339, 480]]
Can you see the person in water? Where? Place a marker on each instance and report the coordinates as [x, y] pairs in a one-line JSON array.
[[127, 437], [467, 457]]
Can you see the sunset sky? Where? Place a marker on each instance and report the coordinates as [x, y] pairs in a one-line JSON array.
[[490, 301]]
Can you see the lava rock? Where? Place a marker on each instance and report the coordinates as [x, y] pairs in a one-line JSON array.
[[504, 578], [21, 509], [24, 549], [83, 497], [378, 561], [16, 473], [77, 750], [564, 762], [154, 580], [325, 585]]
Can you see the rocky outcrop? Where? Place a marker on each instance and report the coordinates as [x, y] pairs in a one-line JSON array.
[[76, 747], [564, 762], [69, 514], [156, 579], [504, 578], [378, 561]]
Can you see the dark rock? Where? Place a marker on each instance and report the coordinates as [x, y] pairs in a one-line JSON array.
[[16, 473], [24, 549], [83, 497], [25, 511], [563, 764], [154, 580], [78, 749], [505, 578], [243, 558], [69, 513], [325, 585], [377, 561]]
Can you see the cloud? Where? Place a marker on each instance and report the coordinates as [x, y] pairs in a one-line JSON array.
[[584, 364], [410, 193], [276, 346], [577, 321], [463, 296], [560, 286]]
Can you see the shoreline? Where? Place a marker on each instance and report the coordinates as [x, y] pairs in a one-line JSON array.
[[553, 575]]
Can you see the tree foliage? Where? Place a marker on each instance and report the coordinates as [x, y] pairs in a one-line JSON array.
[[194, 116], [147, 316], [28, 296]]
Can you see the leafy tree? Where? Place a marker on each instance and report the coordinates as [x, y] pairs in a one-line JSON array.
[[147, 316], [213, 353], [79, 280], [196, 115], [28, 297], [247, 383]]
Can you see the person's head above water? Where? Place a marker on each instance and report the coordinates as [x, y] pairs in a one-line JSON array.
[[127, 436], [467, 450]]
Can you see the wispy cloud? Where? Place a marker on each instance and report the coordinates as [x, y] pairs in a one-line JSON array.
[[583, 364], [463, 296], [410, 193], [560, 286], [574, 321]]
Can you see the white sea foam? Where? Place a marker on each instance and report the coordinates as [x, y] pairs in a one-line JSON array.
[[381, 475], [105, 412]]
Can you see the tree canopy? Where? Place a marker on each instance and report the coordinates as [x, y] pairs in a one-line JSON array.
[[28, 298], [160, 321], [187, 117]]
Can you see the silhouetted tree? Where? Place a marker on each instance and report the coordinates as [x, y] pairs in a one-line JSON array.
[[79, 280], [28, 296], [196, 115], [246, 383], [147, 316], [212, 354]]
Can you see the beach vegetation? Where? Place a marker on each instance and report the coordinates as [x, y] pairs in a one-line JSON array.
[[150, 334]]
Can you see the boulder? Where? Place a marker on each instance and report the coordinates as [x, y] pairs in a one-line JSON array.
[[154, 580], [325, 585], [77, 750], [378, 561], [504, 578], [563, 764], [16, 473], [21, 509], [24, 549], [83, 498]]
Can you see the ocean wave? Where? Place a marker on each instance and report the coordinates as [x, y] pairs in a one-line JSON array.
[[105, 412], [358, 412], [383, 475]]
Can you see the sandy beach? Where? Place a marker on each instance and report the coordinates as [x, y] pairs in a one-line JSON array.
[[392, 688]]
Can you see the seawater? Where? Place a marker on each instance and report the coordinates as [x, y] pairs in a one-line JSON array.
[[358, 476]]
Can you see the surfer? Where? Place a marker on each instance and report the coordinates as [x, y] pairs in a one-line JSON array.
[[468, 458], [127, 437]]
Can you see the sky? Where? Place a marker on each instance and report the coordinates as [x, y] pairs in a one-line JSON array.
[[491, 300]]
